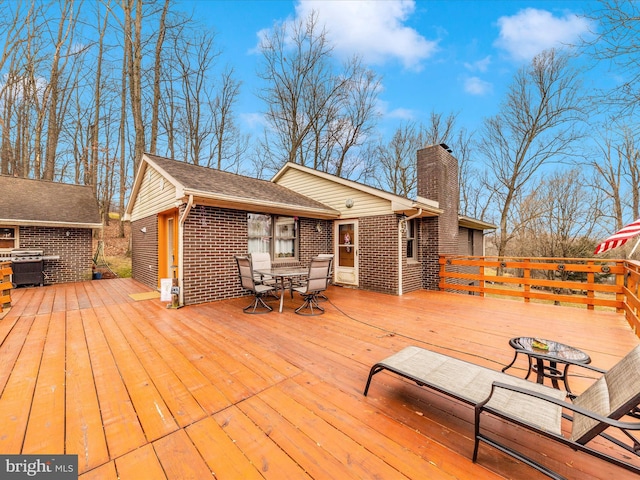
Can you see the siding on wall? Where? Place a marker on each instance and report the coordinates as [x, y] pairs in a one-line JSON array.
[[74, 249], [156, 194], [334, 195], [465, 248], [144, 251]]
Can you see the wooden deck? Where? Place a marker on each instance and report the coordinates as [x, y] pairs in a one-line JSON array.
[[141, 391]]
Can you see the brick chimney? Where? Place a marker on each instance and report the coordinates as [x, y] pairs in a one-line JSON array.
[[437, 179]]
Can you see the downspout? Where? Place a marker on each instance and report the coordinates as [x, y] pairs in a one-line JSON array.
[[183, 219], [402, 228]]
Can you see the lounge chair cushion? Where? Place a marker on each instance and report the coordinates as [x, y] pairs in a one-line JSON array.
[[472, 383], [612, 395]]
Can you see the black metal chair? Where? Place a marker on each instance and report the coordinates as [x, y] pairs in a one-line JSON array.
[[316, 283], [247, 281]]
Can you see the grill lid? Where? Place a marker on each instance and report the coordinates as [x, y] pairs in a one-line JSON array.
[[26, 253], [23, 255]]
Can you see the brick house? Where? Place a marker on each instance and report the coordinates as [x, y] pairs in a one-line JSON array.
[[188, 221], [56, 218]]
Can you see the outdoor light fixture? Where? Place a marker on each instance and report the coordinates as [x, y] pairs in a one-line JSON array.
[[319, 227], [143, 229], [349, 203]]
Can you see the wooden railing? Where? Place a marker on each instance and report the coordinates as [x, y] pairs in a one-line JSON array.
[[613, 284], [5, 285], [631, 292]]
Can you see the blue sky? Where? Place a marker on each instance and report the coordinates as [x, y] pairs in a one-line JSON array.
[[447, 56]]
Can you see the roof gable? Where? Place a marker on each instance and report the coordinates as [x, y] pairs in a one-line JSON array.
[[396, 203], [229, 189], [38, 202]]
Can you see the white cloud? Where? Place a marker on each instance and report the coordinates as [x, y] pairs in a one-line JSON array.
[[531, 31], [253, 120], [479, 65], [401, 114], [374, 30], [477, 86]]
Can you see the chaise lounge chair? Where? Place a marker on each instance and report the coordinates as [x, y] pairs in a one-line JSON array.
[[533, 406]]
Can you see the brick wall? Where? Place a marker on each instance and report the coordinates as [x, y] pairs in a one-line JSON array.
[[73, 245], [412, 270], [378, 253], [144, 251], [214, 235], [428, 247], [437, 175], [312, 241]]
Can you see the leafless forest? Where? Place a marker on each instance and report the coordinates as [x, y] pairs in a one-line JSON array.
[[87, 87]]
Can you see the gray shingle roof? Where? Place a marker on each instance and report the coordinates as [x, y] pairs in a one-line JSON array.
[[204, 179], [37, 201]]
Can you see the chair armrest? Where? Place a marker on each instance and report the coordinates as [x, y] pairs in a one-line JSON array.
[[569, 406]]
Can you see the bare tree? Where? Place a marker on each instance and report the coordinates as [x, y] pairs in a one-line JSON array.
[[133, 52], [562, 214], [56, 105], [396, 159], [617, 40], [230, 144], [630, 152], [157, 74], [317, 114], [608, 169], [537, 124]]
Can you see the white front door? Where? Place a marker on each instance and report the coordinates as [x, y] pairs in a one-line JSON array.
[[346, 265]]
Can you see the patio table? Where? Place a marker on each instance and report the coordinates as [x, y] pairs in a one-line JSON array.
[[553, 352], [282, 274]]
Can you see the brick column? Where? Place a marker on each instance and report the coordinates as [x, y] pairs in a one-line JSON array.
[[437, 179]]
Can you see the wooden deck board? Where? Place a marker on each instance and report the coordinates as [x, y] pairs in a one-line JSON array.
[[85, 434], [141, 463], [151, 409], [223, 456], [269, 459], [121, 426], [136, 389], [44, 434], [179, 457], [18, 392]]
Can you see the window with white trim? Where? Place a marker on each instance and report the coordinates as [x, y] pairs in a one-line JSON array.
[[411, 239], [273, 234], [8, 238]]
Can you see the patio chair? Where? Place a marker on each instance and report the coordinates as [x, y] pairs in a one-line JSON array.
[[595, 413], [322, 296], [247, 281], [261, 261], [316, 283], [530, 405]]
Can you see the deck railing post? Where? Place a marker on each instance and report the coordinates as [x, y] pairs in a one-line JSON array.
[[526, 275], [591, 278], [5, 285]]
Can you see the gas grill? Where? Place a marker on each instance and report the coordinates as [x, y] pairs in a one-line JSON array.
[[28, 266]]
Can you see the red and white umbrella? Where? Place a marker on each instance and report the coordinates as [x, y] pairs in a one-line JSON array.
[[620, 238]]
